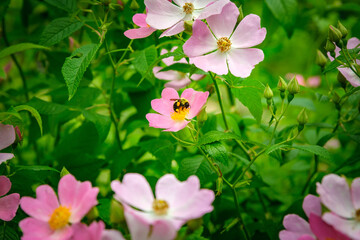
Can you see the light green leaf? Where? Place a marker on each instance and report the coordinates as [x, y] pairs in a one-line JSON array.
[[315, 149], [143, 62], [19, 48], [33, 112], [214, 136], [217, 151], [196, 165], [46, 108], [59, 29], [67, 5], [162, 149], [36, 168], [75, 66]]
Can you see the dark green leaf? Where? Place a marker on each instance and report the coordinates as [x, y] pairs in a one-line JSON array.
[[218, 152], [33, 112], [36, 168], [3, 8], [196, 165], [162, 149], [104, 209], [101, 122], [46, 108], [67, 5], [214, 136], [19, 48], [143, 62], [7, 233]]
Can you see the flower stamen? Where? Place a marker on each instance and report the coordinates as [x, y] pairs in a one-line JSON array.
[[224, 44], [188, 8], [180, 114], [160, 207], [59, 218]]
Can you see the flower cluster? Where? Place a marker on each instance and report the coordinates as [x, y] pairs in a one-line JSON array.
[[341, 223], [10, 203]]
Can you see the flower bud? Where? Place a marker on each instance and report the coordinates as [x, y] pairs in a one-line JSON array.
[[302, 119], [282, 86], [134, 5], [188, 26], [268, 93], [334, 34], [92, 214], [116, 212], [342, 80], [294, 86], [342, 29], [330, 46], [320, 59], [219, 186]]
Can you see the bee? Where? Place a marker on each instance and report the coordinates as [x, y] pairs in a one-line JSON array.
[[180, 104]]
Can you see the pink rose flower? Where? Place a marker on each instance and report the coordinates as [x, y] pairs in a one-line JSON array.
[[50, 217], [144, 31], [175, 202], [95, 231], [171, 16], [7, 137], [10, 203], [343, 202], [353, 79], [186, 108], [223, 47], [177, 79]]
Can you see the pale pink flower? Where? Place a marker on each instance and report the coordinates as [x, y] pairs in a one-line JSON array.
[[169, 119], [296, 228], [312, 81], [177, 79], [50, 217], [171, 16], [144, 31], [175, 202], [95, 231], [353, 79], [223, 47], [343, 202], [7, 137], [10, 203]]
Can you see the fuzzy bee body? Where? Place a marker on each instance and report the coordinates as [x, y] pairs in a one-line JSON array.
[[180, 104]]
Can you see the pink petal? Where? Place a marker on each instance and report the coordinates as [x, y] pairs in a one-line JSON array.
[[169, 93], [306, 237], [8, 206], [214, 62], [159, 121], [177, 28], [79, 196], [162, 106], [178, 84], [137, 33], [92, 232], [248, 33], [312, 204], [350, 228], [197, 77], [5, 185], [163, 230], [314, 81], [5, 156], [242, 61], [135, 191], [112, 235], [355, 193], [202, 41], [178, 125], [296, 224], [43, 206], [353, 43], [140, 19], [196, 100], [353, 79], [288, 235], [163, 14], [223, 24], [324, 231], [209, 9], [7, 135], [335, 195], [167, 75]]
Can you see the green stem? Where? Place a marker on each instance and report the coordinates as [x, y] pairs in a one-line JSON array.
[[182, 141], [220, 101], [316, 163]]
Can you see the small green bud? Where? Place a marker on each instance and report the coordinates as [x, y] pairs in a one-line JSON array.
[[294, 86], [342, 29], [302, 119], [219, 186], [134, 5], [334, 34], [330, 46], [92, 214], [342, 80], [195, 224], [336, 99], [188, 26], [282, 86], [116, 212], [321, 60], [241, 14], [64, 172], [268, 93]]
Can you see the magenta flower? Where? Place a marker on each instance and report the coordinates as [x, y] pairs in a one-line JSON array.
[[10, 203], [299, 229], [353, 79], [50, 217], [187, 107], [95, 231], [7, 137], [175, 202], [227, 48], [343, 202], [144, 31], [177, 79], [171, 16]]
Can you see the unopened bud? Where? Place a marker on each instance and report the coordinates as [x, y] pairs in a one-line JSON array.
[[294, 86], [219, 186], [320, 59], [116, 212], [282, 86], [302, 119], [18, 135], [134, 5], [92, 214], [329, 46], [188, 26], [334, 34], [342, 80], [342, 29], [268, 93], [64, 172]]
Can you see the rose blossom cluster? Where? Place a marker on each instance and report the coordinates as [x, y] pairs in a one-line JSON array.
[[341, 222]]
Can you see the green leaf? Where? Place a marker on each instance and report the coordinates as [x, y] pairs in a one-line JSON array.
[[59, 29], [285, 11], [4, 4], [104, 209], [184, 68], [249, 93], [67, 5], [334, 64], [19, 48], [143, 62], [46, 108], [33, 112], [36, 168], [196, 165], [7, 233], [315, 149], [121, 160], [214, 136], [162, 149], [218, 152], [75, 66], [101, 122]]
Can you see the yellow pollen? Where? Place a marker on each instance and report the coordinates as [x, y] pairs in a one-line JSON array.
[[180, 114], [357, 215], [188, 8], [59, 218], [224, 44], [160, 207]]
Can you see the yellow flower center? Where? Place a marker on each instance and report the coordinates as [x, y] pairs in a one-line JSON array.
[[224, 44], [188, 8], [59, 218], [180, 114], [160, 207]]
